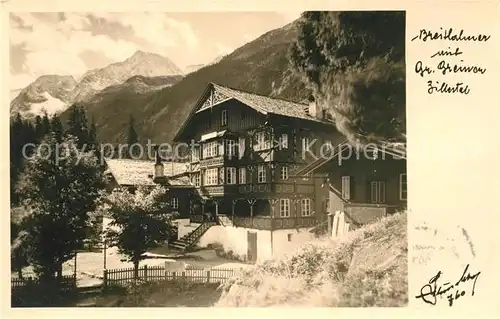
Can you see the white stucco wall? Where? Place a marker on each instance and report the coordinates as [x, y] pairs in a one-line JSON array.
[[236, 239], [269, 245], [281, 244], [182, 221]]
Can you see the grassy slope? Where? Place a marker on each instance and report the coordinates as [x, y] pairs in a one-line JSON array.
[[367, 268], [260, 66]]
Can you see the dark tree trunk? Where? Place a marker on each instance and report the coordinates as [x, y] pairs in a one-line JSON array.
[[59, 270], [20, 273], [136, 269]]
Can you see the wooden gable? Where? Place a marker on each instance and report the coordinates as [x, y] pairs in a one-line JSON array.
[[212, 98]]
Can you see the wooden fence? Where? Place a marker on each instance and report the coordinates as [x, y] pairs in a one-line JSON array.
[[65, 283], [159, 273]]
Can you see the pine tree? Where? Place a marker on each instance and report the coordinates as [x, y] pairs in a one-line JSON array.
[[354, 63], [92, 138], [56, 127], [78, 125], [39, 130], [132, 138], [45, 123], [22, 133]]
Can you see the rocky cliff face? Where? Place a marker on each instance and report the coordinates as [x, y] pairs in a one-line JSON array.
[[51, 92], [54, 93]]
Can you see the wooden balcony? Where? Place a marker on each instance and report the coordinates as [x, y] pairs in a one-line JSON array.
[[217, 190], [222, 160], [276, 187]]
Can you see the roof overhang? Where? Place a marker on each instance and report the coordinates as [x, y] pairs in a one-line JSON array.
[[212, 135], [341, 147]]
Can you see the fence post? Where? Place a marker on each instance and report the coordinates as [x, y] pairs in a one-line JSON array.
[[208, 276], [145, 272], [105, 279]]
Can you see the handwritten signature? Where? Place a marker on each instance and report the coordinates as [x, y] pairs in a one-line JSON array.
[[430, 292]]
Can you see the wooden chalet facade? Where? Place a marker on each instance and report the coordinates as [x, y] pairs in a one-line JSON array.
[[365, 182], [244, 151]]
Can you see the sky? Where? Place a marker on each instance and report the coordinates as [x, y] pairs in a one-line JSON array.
[[66, 43]]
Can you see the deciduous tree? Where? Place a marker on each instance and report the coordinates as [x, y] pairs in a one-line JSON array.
[[140, 220], [60, 186]]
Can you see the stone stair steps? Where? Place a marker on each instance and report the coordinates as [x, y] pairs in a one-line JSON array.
[[185, 243]]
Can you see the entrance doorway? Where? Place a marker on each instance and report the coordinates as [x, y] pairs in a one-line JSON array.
[[252, 246]]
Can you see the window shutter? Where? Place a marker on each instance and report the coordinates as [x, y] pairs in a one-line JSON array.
[[373, 192], [351, 188], [221, 175], [346, 187], [381, 192]]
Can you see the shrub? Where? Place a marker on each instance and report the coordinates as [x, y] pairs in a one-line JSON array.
[[368, 267]]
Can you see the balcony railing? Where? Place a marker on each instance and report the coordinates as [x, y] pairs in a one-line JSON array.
[[217, 190]]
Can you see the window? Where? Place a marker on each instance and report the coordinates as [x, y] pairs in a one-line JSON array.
[[175, 203], [196, 179], [305, 206], [377, 192], [284, 207], [262, 142], [209, 123], [220, 146], [231, 175], [261, 174], [211, 176], [403, 192], [305, 143], [223, 119], [196, 154], [346, 187], [210, 149], [231, 148], [283, 141], [284, 172], [243, 175], [241, 147]]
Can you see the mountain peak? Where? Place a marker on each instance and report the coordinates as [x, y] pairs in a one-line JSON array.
[[142, 55]]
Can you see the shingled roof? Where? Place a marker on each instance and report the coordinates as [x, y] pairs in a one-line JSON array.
[[129, 172], [260, 103], [396, 150], [265, 104]]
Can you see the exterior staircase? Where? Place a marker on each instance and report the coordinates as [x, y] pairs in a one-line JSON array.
[[189, 240], [320, 161], [224, 220]]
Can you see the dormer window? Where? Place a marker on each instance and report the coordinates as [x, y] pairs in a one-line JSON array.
[[223, 116]]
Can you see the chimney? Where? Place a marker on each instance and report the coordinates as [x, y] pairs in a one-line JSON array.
[[159, 169], [313, 108]]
